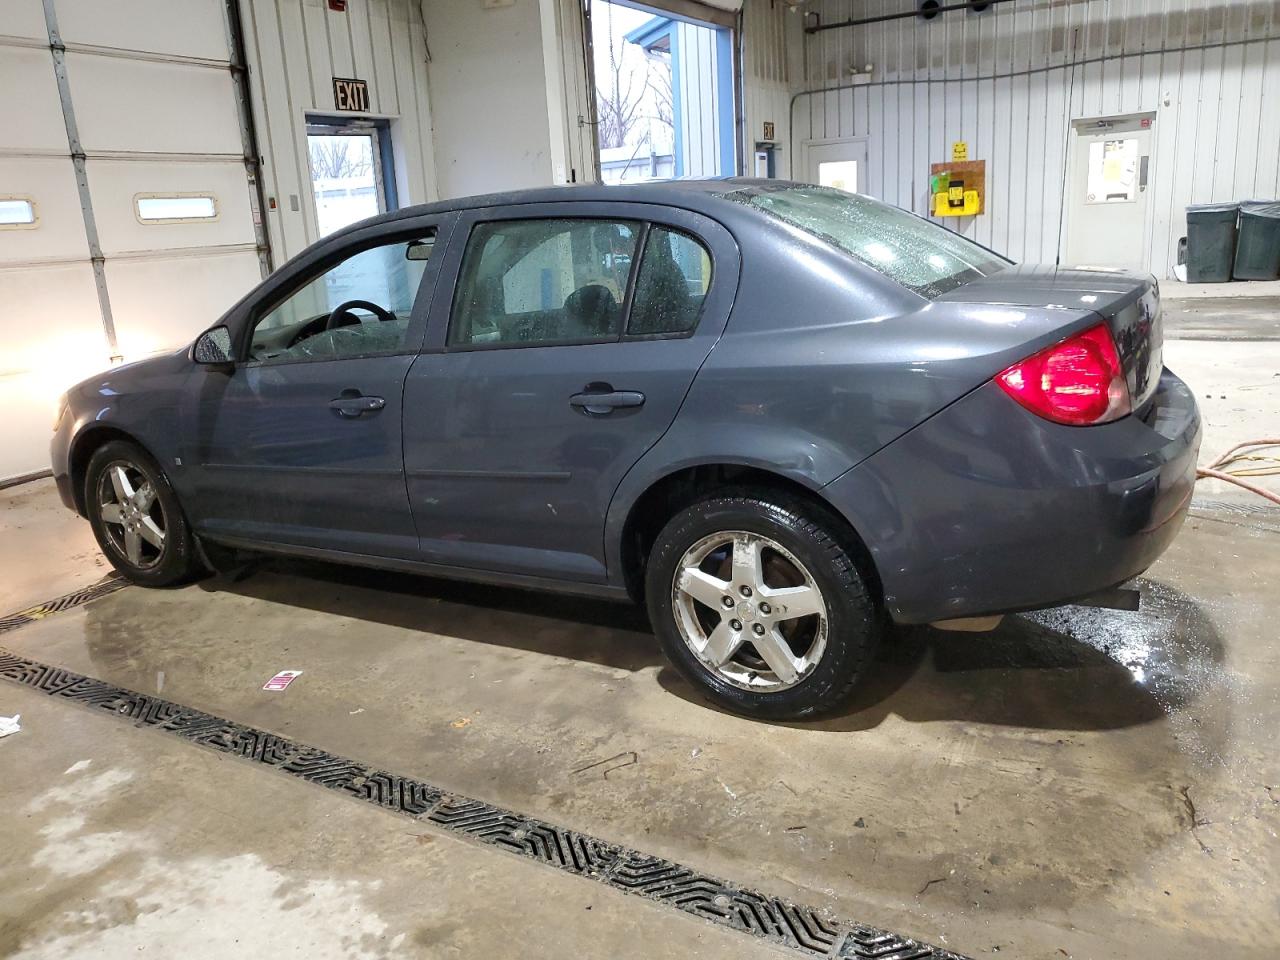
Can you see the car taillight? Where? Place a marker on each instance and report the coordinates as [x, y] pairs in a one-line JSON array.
[[1077, 382]]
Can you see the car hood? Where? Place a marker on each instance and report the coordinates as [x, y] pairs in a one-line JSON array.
[[1100, 290], [137, 373]]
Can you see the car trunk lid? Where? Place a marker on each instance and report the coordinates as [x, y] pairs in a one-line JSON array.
[[1128, 302]]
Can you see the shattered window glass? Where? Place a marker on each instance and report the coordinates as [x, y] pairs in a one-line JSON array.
[[922, 256]]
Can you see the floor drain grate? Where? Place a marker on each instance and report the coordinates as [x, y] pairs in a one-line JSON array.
[[108, 584], [781, 922]]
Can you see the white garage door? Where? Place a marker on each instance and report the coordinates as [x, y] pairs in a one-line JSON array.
[[150, 89]]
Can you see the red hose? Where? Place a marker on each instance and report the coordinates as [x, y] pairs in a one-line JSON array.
[[1219, 475], [1213, 471]]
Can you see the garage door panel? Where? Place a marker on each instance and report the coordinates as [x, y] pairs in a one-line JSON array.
[[25, 18], [38, 125], [48, 311], [52, 336], [116, 184], [29, 402], [162, 303], [58, 234], [188, 28], [135, 105]]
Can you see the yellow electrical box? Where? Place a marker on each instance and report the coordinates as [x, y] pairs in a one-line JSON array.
[[957, 202], [958, 188]]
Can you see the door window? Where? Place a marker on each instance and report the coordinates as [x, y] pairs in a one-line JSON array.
[[1113, 171], [361, 306], [841, 174], [674, 277], [347, 182], [532, 282]]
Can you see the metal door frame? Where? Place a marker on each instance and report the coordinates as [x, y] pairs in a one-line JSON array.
[[384, 160]]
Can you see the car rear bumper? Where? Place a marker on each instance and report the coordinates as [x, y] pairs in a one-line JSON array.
[[986, 508]]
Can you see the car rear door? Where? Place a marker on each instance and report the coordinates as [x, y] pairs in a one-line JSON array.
[[300, 444], [547, 375]]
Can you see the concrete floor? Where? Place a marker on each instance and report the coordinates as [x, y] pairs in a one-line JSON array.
[[1083, 783]]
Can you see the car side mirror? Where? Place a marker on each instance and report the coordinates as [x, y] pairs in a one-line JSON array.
[[419, 249], [213, 348]]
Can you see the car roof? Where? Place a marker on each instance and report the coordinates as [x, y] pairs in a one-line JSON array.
[[703, 193]]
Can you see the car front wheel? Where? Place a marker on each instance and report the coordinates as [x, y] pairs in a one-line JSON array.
[[136, 518], [758, 601]]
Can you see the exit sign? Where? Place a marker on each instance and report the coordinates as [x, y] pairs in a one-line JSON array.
[[350, 95]]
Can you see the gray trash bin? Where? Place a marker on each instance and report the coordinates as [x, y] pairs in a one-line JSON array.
[[1211, 241], [1258, 245]]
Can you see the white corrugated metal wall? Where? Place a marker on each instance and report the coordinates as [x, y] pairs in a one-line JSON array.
[[1009, 81], [295, 48], [771, 46]]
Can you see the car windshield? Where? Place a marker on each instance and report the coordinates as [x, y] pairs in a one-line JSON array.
[[922, 256]]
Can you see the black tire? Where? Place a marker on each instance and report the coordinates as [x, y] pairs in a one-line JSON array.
[[813, 538], [172, 562]]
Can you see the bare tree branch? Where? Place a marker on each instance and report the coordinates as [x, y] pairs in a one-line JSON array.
[[332, 158]]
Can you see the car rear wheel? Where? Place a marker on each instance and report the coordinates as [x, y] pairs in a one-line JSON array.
[[758, 601], [136, 518]]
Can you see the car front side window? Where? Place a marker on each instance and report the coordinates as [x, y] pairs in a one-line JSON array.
[[538, 282], [358, 307]]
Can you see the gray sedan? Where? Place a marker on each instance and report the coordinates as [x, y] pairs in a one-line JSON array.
[[779, 415]]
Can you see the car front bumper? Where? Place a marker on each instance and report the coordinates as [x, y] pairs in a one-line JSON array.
[[59, 458], [986, 508]]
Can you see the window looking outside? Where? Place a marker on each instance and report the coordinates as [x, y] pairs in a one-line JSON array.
[[17, 212], [309, 325], [179, 208]]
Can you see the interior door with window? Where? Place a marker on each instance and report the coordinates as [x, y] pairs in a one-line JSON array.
[[570, 342], [1107, 196], [838, 163], [301, 443]]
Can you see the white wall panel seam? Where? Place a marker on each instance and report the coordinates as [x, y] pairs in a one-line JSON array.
[[314, 77], [183, 253], [422, 105], [378, 93]]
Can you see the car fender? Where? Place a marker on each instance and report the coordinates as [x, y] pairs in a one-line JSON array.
[[796, 456], [142, 402]]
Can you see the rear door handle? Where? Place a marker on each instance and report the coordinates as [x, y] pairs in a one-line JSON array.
[[602, 403], [349, 406]]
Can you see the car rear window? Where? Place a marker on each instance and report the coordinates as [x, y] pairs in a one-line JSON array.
[[922, 256]]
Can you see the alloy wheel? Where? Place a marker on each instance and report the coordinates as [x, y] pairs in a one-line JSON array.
[[749, 611], [131, 514]]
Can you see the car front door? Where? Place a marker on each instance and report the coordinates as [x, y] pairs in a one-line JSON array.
[[572, 336], [300, 443]]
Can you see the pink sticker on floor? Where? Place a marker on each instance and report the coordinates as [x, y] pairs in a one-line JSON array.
[[282, 680]]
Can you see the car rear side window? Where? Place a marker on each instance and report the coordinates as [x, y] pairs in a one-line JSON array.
[[922, 256], [538, 282], [675, 274]]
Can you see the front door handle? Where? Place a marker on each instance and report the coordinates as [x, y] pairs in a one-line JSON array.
[[355, 406], [599, 404]]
